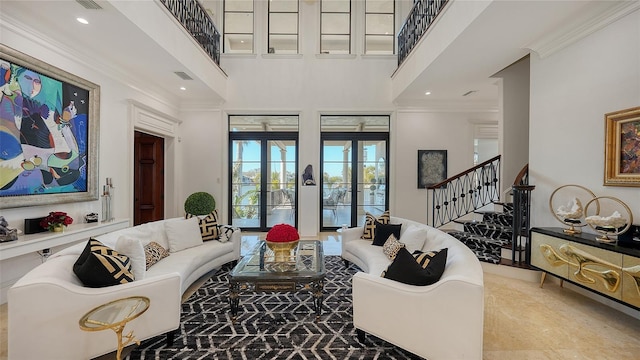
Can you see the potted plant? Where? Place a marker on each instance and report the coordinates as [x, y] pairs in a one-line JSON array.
[[56, 221], [281, 239], [199, 203]]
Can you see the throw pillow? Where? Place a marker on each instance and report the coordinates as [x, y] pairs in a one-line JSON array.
[[414, 237], [391, 247], [135, 251], [226, 231], [424, 258], [154, 252], [383, 231], [370, 224], [183, 234], [407, 270], [100, 266], [208, 226]]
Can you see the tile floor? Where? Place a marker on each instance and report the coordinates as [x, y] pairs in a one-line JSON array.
[[522, 320]]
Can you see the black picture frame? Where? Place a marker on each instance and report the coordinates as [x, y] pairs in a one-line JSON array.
[[432, 167]]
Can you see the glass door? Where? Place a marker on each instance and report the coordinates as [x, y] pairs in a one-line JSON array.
[[281, 187], [354, 180], [245, 183]]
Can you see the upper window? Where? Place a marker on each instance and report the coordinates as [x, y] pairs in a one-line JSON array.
[[379, 27], [335, 27], [238, 26], [283, 27]]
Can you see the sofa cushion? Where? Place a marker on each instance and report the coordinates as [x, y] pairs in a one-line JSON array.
[[406, 269], [133, 248], [391, 247], [414, 237], [100, 266], [370, 224], [154, 252], [383, 231], [183, 234], [208, 225], [226, 231]]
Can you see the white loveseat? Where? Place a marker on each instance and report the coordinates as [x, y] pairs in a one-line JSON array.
[[45, 306], [438, 322]]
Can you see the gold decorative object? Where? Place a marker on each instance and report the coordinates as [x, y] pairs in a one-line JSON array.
[[282, 250], [115, 315], [572, 214], [612, 225]]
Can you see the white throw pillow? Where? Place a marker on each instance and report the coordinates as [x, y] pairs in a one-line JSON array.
[[135, 251], [183, 234], [414, 238]]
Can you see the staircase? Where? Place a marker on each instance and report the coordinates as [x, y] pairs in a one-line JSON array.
[[490, 237], [499, 236]]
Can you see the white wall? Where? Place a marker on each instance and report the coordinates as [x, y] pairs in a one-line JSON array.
[[571, 91], [424, 130]]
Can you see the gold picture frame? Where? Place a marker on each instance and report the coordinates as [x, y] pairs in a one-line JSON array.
[[622, 148]]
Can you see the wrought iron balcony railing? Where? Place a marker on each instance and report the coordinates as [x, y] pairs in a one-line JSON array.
[[196, 21], [421, 16], [461, 194]]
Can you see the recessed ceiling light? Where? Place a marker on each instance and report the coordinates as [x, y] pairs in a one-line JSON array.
[[183, 88], [242, 41], [82, 21], [428, 93]]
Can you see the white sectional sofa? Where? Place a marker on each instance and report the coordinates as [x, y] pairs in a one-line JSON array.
[[438, 322], [45, 306]]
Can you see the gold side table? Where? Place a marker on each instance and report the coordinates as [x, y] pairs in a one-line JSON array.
[[115, 315]]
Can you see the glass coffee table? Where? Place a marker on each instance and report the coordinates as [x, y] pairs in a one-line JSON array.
[[259, 272]]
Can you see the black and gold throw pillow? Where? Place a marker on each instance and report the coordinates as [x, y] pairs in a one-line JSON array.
[[208, 226], [100, 266], [154, 252], [406, 269], [370, 224]]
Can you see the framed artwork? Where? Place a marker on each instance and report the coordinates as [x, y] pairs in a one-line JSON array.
[[432, 167], [49, 121], [622, 148]]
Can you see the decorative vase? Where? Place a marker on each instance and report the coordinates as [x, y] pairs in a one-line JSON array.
[[57, 228], [282, 250]]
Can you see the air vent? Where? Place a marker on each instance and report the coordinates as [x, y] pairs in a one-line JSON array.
[[183, 75], [89, 4], [469, 92]]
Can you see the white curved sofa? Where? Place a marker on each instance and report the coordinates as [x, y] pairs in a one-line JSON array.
[[45, 306], [438, 322]]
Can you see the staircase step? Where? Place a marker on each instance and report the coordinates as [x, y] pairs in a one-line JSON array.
[[496, 217], [489, 230], [486, 249]]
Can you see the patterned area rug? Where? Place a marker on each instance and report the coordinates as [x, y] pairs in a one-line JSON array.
[[270, 325]]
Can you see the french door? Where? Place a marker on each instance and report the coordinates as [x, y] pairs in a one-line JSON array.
[[354, 177], [263, 179]]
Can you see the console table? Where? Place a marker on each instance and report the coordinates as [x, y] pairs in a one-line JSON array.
[[607, 269], [47, 240]]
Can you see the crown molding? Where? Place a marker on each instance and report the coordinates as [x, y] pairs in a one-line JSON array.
[[107, 69], [579, 29]]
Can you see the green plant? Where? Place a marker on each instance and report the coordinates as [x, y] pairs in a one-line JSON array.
[[200, 203]]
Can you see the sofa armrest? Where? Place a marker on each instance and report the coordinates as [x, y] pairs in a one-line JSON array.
[[47, 310], [236, 239], [426, 320], [349, 234]]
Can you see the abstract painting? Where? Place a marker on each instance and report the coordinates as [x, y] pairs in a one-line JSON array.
[[48, 133], [432, 167]]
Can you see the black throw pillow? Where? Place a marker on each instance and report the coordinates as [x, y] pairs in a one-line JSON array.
[[100, 266], [383, 231], [407, 270]]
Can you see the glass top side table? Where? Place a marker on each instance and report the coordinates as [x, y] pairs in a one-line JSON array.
[[115, 315]]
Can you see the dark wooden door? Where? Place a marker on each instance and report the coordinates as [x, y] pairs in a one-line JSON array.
[[148, 178]]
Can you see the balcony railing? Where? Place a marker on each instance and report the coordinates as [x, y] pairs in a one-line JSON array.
[[196, 21], [422, 15]]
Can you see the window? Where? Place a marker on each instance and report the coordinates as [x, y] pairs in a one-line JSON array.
[[283, 27], [238, 26], [379, 27], [335, 27]]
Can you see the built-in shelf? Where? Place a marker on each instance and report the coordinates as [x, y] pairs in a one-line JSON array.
[[46, 240]]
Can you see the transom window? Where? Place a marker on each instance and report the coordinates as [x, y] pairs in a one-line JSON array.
[[335, 27], [283, 27], [379, 35], [238, 26]]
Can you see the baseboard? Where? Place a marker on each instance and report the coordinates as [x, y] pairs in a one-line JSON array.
[[511, 272]]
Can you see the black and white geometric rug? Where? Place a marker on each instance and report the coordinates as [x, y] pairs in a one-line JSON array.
[[270, 325]]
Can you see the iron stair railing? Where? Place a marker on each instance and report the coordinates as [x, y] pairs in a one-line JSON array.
[[421, 16], [464, 193], [196, 21], [521, 193]]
